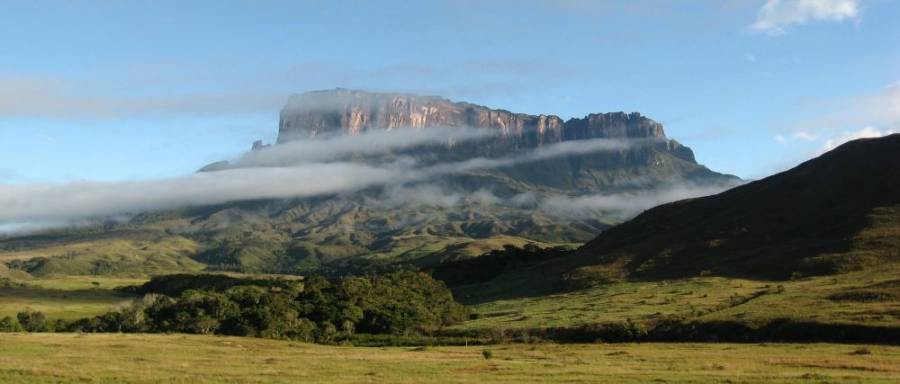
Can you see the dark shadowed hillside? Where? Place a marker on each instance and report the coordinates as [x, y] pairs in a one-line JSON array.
[[837, 213]]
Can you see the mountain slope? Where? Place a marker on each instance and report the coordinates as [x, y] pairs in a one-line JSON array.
[[837, 213]]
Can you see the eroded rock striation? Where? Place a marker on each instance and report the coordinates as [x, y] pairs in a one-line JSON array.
[[343, 111]]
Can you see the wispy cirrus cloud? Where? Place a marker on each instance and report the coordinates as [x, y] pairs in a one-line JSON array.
[[777, 16], [874, 114], [28, 97], [189, 90]]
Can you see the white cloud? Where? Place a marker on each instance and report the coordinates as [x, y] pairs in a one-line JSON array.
[[776, 16], [574, 147], [628, 204], [878, 113], [65, 203], [804, 135], [192, 89], [880, 108], [41, 98], [32, 205], [622, 205], [867, 132], [798, 135], [424, 195], [373, 142]]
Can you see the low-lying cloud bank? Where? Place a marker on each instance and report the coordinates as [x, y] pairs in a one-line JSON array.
[[320, 150], [377, 142], [627, 204], [64, 203], [430, 195], [565, 148], [300, 169], [620, 205]]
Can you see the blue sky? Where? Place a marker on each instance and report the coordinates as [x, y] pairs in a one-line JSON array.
[[134, 90]]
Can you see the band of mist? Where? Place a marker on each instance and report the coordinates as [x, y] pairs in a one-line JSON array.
[[301, 169]]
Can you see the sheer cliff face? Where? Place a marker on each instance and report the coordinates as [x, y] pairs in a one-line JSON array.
[[326, 113], [353, 112]]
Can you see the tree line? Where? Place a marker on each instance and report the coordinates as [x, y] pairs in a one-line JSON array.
[[314, 309]]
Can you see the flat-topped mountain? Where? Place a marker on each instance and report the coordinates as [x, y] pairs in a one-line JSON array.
[[343, 111], [538, 184], [353, 112], [651, 156]]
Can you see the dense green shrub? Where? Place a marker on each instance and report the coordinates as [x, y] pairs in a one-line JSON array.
[[400, 303], [175, 285], [9, 324], [33, 321]]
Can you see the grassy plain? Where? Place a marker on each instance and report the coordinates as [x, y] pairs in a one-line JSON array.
[[118, 358], [869, 297], [66, 297]]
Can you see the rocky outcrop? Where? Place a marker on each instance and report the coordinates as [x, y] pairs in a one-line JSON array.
[[353, 112], [343, 111], [259, 146]]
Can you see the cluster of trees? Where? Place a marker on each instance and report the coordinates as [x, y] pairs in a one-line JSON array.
[[30, 322], [316, 309], [494, 263]]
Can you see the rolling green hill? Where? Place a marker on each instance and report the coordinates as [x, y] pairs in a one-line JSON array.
[[817, 245]]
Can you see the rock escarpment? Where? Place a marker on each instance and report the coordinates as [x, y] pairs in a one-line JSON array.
[[342, 111], [318, 114]]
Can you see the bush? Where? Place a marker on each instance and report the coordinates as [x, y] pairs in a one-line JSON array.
[[60, 325], [9, 324], [634, 331], [33, 321], [861, 351], [488, 354], [327, 333]]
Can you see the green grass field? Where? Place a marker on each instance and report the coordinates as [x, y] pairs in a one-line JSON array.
[[117, 358], [701, 298], [866, 297], [68, 297], [869, 297]]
